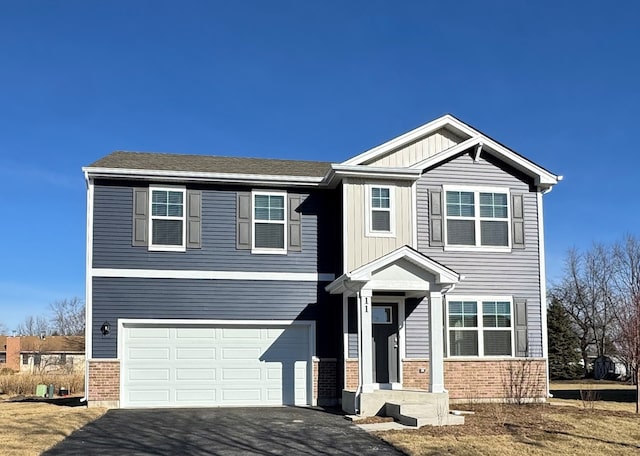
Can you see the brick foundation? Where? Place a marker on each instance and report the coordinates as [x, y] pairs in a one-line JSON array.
[[480, 379], [104, 383], [324, 381]]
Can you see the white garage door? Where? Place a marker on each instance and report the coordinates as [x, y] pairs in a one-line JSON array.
[[204, 366]]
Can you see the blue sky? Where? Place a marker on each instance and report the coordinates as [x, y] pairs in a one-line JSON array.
[[322, 80]]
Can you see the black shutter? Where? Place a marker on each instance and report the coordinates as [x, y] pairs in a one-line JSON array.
[[517, 221], [522, 342], [194, 219], [295, 232], [243, 220], [140, 229], [436, 219]]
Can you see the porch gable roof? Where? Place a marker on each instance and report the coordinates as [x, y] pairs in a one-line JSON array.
[[359, 277]]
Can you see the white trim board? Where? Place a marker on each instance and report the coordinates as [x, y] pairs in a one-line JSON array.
[[211, 275]]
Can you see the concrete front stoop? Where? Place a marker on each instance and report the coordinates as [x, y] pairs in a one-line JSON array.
[[424, 414]]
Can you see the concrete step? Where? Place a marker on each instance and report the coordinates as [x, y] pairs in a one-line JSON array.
[[418, 415]]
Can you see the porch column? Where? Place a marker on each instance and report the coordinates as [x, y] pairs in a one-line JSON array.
[[436, 343], [365, 332]]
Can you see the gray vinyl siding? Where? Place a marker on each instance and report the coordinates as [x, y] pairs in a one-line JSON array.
[[416, 328], [112, 227], [515, 273], [138, 298], [352, 335]]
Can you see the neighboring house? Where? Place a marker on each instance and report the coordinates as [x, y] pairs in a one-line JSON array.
[[42, 354], [416, 265]]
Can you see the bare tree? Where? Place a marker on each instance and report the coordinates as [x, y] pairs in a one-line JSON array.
[[34, 326], [68, 317], [587, 295], [3, 328], [627, 282]]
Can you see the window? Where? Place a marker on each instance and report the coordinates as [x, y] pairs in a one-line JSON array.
[[477, 218], [167, 227], [382, 315], [380, 211], [269, 222], [480, 327], [25, 359], [3, 357]]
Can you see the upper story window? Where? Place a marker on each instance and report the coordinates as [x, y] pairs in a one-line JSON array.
[[480, 327], [269, 222], [477, 217], [167, 221], [380, 211]]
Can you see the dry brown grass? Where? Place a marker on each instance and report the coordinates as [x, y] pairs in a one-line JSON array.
[[25, 383], [510, 430], [30, 428]]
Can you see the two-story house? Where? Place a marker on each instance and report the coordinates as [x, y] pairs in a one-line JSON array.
[[417, 265]]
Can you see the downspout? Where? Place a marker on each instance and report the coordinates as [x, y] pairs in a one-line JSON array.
[[360, 351], [87, 302]]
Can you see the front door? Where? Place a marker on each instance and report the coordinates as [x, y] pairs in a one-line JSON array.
[[385, 343]]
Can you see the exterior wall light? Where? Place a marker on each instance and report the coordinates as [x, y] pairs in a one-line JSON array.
[[105, 329]]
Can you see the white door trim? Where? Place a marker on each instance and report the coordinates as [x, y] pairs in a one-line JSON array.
[[400, 301]]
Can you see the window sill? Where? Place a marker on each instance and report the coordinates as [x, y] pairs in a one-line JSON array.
[[380, 234], [269, 251], [481, 358], [464, 248], [167, 248]]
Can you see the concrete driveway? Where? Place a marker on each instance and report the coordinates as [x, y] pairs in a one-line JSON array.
[[222, 431]]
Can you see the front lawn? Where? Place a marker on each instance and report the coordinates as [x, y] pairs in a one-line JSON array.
[[29, 428]]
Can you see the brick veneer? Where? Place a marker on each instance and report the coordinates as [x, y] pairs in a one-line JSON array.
[[351, 377], [324, 381], [104, 382], [470, 379]]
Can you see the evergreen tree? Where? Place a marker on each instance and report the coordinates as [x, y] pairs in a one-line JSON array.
[[564, 353]]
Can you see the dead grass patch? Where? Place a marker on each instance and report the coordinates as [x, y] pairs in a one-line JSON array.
[[31, 428], [24, 383], [537, 429]]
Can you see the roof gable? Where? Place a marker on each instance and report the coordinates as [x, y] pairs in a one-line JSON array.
[[468, 138]]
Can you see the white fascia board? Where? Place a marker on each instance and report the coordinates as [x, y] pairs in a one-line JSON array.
[[190, 176], [447, 153], [423, 130], [212, 275], [542, 177]]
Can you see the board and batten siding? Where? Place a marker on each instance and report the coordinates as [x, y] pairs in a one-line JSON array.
[[362, 249], [192, 299], [112, 227], [515, 273], [418, 150]]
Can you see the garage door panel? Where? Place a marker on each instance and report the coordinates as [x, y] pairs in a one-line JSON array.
[[195, 353], [148, 333], [241, 374], [196, 396], [233, 354], [196, 333], [195, 374], [215, 366], [148, 353], [241, 333], [151, 374]]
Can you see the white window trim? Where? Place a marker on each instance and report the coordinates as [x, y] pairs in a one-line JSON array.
[[369, 231], [168, 248], [476, 189], [480, 328], [284, 222]]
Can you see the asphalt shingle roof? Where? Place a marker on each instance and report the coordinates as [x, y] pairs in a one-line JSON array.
[[211, 164]]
